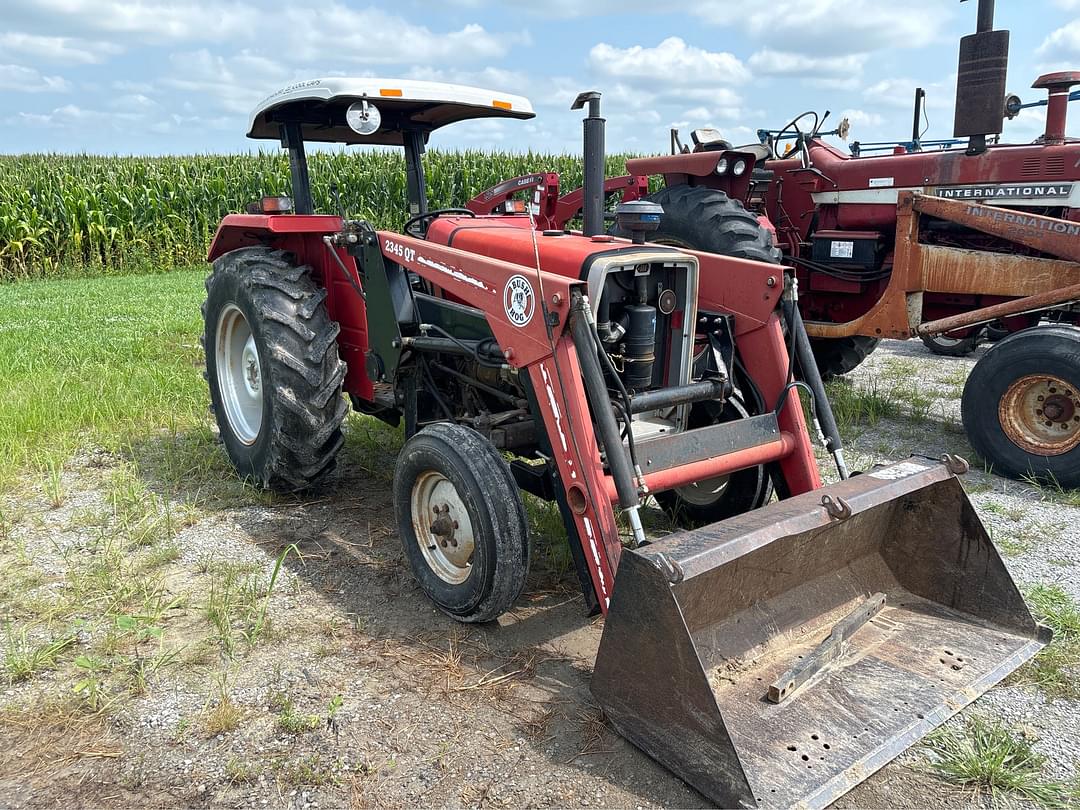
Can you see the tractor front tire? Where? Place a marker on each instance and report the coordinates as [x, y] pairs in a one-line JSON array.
[[273, 369], [716, 499], [461, 521], [1021, 405], [838, 356]]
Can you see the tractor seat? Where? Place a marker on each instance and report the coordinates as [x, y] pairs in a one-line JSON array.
[[709, 140]]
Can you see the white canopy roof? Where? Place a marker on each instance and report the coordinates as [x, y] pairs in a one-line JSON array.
[[320, 105]]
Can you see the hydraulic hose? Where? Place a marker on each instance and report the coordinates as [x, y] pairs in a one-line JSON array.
[[811, 375]]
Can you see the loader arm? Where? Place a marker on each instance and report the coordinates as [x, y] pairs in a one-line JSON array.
[[568, 413]]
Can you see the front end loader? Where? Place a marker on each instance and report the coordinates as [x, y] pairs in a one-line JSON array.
[[792, 637]]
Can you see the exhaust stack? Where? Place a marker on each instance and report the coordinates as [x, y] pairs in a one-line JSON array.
[[1058, 86], [593, 187], [980, 81]]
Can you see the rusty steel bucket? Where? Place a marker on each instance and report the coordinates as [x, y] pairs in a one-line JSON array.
[[778, 658]]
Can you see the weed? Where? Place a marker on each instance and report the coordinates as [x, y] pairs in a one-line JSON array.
[[294, 723], [986, 755], [548, 532], [90, 688], [224, 715], [53, 483], [23, 658], [1052, 490], [239, 772], [310, 770]]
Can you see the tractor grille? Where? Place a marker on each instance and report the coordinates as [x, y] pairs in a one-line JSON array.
[[1053, 166]]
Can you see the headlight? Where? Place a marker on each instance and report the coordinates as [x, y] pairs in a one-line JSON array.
[[739, 167], [721, 166]]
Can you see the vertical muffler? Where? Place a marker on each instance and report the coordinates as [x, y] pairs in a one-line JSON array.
[[778, 658]]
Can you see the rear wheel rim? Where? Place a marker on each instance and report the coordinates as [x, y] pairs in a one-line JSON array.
[[1040, 414], [442, 527], [239, 375]]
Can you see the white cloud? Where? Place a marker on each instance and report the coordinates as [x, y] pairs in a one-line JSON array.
[[768, 62], [860, 118], [671, 63], [28, 80], [832, 26], [56, 49], [289, 32], [900, 93], [72, 116], [1062, 44], [150, 20]]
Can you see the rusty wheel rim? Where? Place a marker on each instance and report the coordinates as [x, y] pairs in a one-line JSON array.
[[443, 529], [1040, 413]]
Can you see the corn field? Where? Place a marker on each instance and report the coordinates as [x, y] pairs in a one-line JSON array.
[[65, 215]]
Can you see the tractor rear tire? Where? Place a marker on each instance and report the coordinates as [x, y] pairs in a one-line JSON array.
[[461, 521], [273, 369], [1007, 402], [837, 356], [947, 346], [707, 219]]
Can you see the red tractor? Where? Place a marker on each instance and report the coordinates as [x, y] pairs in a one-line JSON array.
[[614, 377], [928, 240]]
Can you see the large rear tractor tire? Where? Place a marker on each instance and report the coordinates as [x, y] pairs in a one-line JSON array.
[[837, 356], [707, 219], [461, 521], [1021, 405], [273, 369]]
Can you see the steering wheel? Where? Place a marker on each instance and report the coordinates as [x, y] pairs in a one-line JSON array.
[[438, 212], [793, 126]]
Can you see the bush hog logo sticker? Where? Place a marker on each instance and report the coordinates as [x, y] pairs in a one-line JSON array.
[[1018, 191], [518, 300]]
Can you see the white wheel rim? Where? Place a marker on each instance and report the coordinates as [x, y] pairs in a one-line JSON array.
[[442, 527], [704, 493], [239, 375]]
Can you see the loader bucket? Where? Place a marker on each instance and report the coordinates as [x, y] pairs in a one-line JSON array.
[[779, 658]]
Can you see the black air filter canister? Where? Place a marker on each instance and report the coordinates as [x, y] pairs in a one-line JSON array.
[[640, 346]]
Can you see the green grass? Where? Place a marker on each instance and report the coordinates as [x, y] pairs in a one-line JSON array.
[[987, 756], [24, 658], [112, 361], [1056, 669]]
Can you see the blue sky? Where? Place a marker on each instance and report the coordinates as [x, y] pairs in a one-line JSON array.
[[180, 76]]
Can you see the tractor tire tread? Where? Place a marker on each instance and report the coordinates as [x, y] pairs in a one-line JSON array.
[[307, 409]]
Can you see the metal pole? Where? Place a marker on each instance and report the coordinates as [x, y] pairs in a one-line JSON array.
[[986, 16], [416, 186], [593, 190], [292, 138]]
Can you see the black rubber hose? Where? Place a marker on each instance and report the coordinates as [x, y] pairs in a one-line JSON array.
[[812, 377], [618, 460]]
